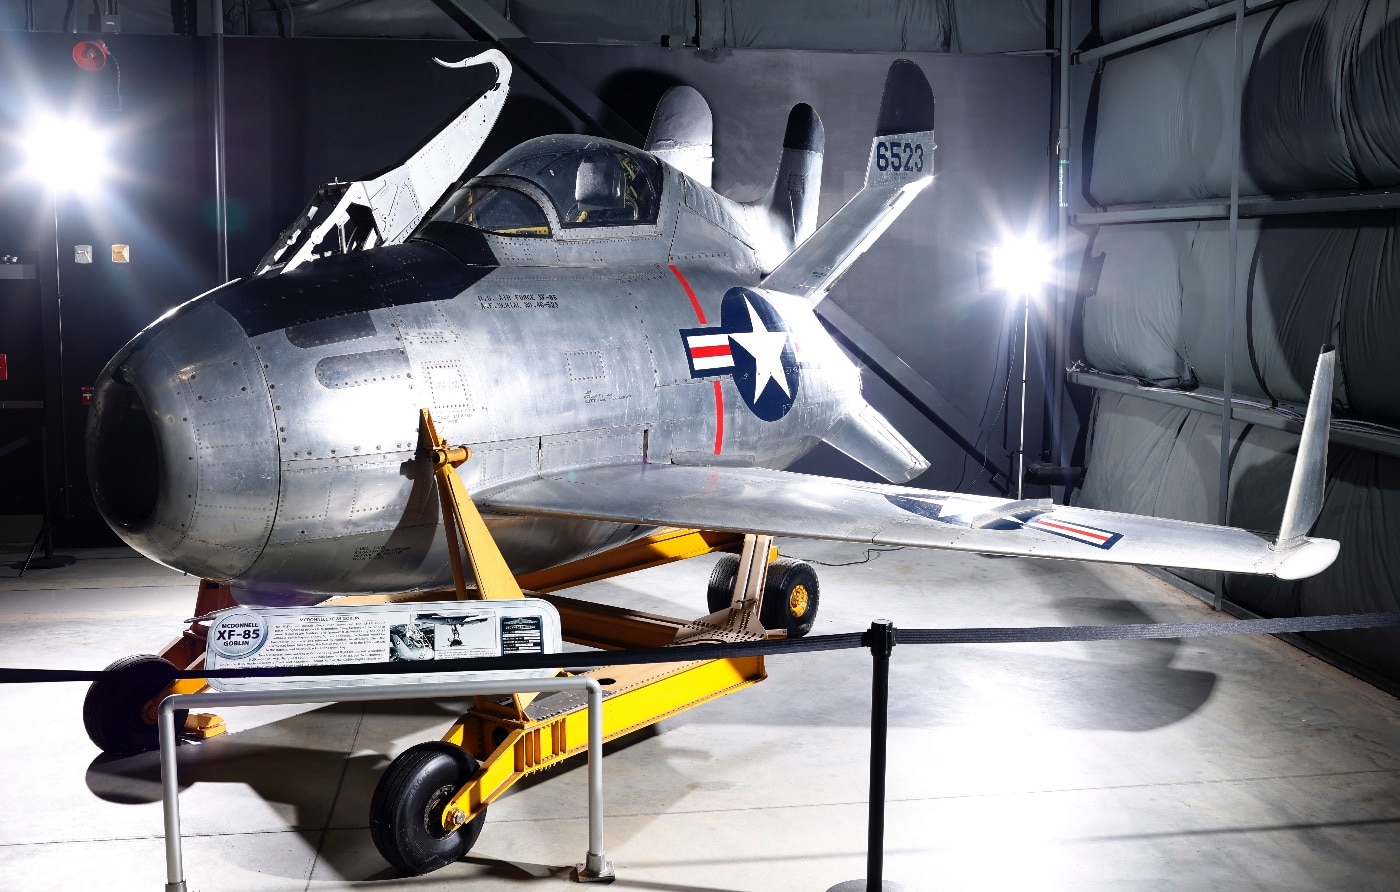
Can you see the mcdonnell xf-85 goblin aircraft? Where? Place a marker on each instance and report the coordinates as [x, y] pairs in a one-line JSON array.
[[621, 347]]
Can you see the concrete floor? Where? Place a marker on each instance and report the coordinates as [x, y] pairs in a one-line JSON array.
[[1227, 763]]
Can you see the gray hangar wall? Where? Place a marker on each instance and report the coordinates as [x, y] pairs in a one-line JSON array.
[[1318, 122]]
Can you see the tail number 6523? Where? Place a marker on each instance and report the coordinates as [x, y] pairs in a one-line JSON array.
[[899, 156]]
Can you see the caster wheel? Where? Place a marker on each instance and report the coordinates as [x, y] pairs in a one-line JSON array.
[[112, 709], [720, 591], [405, 815], [790, 597]]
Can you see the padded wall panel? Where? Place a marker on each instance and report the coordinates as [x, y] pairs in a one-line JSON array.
[[1373, 115], [1320, 112], [614, 21], [1132, 321], [1004, 26], [1298, 280], [1296, 98], [1363, 513], [1147, 457], [1370, 321], [914, 25], [1204, 274], [1129, 444], [1163, 121], [1305, 281], [1117, 19]]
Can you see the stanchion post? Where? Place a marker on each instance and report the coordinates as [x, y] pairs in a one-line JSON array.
[[880, 638]]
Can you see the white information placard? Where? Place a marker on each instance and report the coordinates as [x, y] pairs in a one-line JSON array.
[[283, 637]]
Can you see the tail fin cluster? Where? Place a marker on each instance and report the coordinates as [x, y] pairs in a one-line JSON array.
[[900, 166]]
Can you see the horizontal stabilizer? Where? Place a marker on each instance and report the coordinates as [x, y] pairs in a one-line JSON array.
[[871, 440]]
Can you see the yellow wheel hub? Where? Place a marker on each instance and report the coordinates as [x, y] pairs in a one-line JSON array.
[[799, 600]]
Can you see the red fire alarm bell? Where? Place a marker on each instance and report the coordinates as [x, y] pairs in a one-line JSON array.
[[87, 395], [91, 55]]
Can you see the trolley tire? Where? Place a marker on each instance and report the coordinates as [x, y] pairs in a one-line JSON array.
[[719, 594], [405, 814], [114, 703], [790, 597]]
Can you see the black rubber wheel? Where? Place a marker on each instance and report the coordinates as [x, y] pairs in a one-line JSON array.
[[113, 705], [405, 815], [790, 597], [720, 592]]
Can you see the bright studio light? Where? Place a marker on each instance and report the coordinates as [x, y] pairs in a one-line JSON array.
[[66, 154], [1017, 267]]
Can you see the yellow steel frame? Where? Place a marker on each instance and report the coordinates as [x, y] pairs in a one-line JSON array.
[[502, 734], [635, 697]]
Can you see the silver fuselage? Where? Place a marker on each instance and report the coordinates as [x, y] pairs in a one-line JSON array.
[[266, 433]]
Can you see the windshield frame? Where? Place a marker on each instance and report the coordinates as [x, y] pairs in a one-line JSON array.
[[513, 184], [572, 143]]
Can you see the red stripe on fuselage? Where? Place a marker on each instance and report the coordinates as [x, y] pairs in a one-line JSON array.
[[699, 313]]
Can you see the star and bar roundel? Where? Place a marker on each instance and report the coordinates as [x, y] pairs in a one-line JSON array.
[[753, 345]]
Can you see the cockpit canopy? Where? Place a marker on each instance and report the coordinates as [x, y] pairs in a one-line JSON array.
[[590, 182]]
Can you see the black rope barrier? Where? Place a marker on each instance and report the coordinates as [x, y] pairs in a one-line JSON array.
[[811, 644]]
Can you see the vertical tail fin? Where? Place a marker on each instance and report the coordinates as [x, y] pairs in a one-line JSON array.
[[797, 190], [786, 216], [682, 133]]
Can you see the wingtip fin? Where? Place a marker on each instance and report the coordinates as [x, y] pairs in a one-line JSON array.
[[1305, 492]]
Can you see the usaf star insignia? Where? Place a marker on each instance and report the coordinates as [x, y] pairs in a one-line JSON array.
[[751, 344]]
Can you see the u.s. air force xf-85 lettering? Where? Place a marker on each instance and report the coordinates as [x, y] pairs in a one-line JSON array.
[[621, 347]]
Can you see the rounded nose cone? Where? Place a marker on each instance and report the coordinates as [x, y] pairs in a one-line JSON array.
[[182, 447]]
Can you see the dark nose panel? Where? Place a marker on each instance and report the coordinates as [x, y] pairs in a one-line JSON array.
[[182, 445], [126, 478]]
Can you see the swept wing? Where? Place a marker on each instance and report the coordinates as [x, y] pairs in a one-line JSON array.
[[789, 504]]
